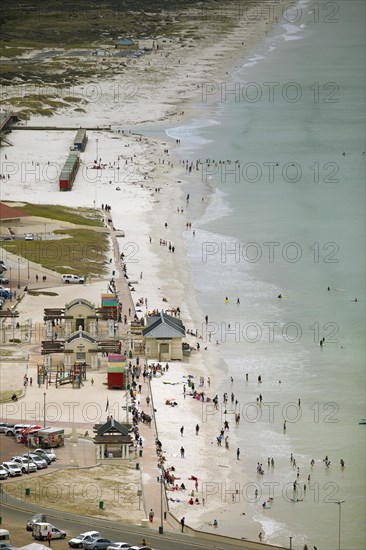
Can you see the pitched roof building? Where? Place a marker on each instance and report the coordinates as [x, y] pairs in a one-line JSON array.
[[164, 335], [112, 440]]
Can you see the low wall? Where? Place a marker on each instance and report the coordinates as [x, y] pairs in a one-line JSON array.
[[220, 539]]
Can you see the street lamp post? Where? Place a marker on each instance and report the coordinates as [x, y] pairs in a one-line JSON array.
[[96, 180], [10, 277], [44, 409], [45, 231], [18, 273], [339, 502], [28, 444]]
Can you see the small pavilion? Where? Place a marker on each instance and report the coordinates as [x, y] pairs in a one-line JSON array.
[[112, 440]]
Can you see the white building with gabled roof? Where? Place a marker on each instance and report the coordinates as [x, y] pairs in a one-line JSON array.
[[164, 337]]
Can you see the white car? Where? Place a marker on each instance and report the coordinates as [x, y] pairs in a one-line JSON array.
[[77, 542], [25, 465], [12, 468], [73, 279], [3, 426], [12, 430], [29, 237], [3, 472], [119, 546]]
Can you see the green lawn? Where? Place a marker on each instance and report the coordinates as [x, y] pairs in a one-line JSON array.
[[82, 251], [79, 216]]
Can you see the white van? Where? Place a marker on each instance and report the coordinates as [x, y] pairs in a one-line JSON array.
[[73, 279], [41, 530], [4, 536]]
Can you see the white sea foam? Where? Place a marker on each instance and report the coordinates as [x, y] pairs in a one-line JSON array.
[[189, 134]]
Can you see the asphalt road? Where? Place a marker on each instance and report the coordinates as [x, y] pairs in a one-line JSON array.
[[15, 520]]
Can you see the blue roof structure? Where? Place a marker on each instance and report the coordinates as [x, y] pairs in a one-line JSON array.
[[124, 42]]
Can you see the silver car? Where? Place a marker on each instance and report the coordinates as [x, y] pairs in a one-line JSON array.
[[48, 455], [77, 542], [38, 461]]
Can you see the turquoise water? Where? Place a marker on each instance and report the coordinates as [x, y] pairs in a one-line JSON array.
[[293, 214]]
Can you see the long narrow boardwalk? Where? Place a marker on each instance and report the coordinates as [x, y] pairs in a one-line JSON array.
[[150, 472]]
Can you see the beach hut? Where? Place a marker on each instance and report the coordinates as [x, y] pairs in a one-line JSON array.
[[163, 336], [109, 309], [116, 371]]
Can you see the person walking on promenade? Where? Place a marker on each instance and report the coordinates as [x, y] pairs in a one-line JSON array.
[[181, 431], [182, 452], [49, 536], [197, 429], [182, 521], [238, 453], [151, 515]]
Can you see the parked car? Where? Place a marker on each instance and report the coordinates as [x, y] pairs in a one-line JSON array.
[[5, 291], [29, 237], [4, 536], [51, 453], [37, 518], [4, 280], [7, 546], [41, 530], [47, 454], [27, 466], [119, 546], [73, 279], [38, 461], [77, 542], [10, 430], [4, 425], [97, 543], [3, 472], [12, 468], [141, 548]]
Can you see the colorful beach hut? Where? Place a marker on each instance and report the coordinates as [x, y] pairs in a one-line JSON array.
[[116, 371], [109, 309]]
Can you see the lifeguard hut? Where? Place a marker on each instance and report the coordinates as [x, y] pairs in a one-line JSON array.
[[116, 372]]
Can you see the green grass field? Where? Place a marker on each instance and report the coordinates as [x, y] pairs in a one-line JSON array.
[[78, 216], [82, 250]]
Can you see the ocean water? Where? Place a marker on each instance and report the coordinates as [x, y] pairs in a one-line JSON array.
[[287, 217]]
